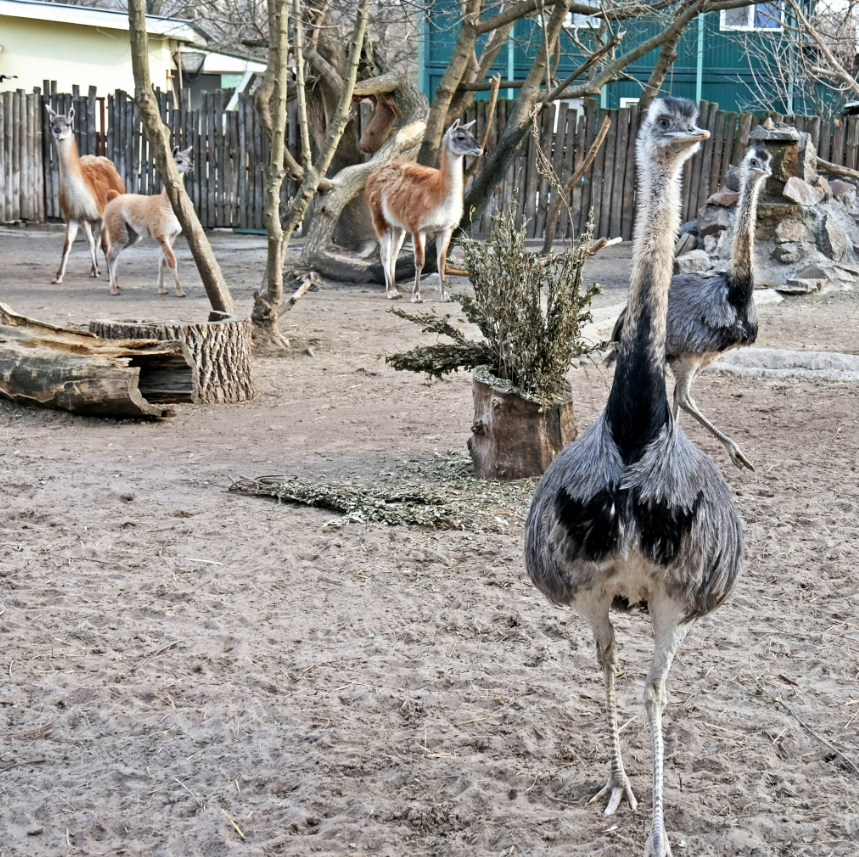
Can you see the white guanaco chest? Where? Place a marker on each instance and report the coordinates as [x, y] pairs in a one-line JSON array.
[[79, 198]]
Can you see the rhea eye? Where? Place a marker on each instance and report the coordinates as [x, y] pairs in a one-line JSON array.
[[755, 164], [663, 123]]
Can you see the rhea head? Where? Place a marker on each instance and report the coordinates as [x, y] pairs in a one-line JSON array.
[[756, 164], [669, 133], [461, 141]]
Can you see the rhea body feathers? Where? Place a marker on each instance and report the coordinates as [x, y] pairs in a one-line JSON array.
[[632, 510]]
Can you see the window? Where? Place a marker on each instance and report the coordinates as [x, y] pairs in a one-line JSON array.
[[628, 102], [761, 16]]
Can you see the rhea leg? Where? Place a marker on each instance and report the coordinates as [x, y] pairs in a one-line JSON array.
[[618, 785], [442, 241], [685, 374], [669, 631], [71, 234], [420, 238]]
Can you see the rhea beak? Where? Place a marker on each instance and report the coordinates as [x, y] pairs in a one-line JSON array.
[[693, 135]]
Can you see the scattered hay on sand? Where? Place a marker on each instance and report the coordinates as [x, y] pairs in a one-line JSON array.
[[441, 494]]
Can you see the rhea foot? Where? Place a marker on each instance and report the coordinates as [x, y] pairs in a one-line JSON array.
[[417, 299], [393, 296], [737, 456], [619, 787]]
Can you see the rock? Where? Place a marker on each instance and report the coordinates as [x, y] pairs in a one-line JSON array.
[[800, 286], [799, 190], [767, 296], [790, 232], [770, 131], [690, 226], [712, 218], [692, 263], [788, 254], [853, 270], [806, 159], [809, 269], [685, 243], [822, 184], [840, 186], [833, 239], [776, 363], [712, 243], [732, 179], [724, 196]]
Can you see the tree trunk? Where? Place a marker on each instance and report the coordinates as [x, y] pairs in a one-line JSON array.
[[208, 267], [456, 70], [271, 105], [61, 369], [218, 352], [513, 437]]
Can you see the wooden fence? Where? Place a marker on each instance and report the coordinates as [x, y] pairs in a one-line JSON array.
[[608, 186], [231, 150]]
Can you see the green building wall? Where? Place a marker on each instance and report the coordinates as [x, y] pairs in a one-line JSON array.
[[713, 65]]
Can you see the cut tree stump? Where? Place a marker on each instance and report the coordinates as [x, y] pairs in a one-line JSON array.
[[54, 367], [513, 437], [218, 351]]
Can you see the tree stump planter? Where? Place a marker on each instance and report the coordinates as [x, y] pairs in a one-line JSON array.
[[514, 437], [54, 367], [219, 353]]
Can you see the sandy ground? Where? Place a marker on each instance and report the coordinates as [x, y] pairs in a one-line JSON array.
[[178, 661]]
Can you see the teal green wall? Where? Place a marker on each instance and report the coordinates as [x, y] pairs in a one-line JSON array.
[[727, 68]]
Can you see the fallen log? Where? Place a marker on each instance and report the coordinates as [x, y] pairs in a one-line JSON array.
[[54, 367], [219, 352]]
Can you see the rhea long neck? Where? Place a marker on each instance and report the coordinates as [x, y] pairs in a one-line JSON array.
[[637, 406], [743, 247]]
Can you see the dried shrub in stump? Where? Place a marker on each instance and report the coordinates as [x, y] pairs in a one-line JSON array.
[[530, 312]]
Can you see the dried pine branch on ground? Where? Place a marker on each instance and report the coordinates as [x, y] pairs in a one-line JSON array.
[[441, 494]]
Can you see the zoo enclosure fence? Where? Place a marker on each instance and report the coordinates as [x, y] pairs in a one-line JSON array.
[[230, 152]]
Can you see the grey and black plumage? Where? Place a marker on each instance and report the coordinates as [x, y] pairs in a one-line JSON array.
[[709, 314], [632, 512]]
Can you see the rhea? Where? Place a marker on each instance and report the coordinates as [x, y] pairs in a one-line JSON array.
[[407, 197], [84, 185], [632, 512], [709, 314], [129, 217]]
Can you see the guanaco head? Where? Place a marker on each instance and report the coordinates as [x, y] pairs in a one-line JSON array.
[[183, 160], [669, 133], [61, 126], [756, 164], [461, 141]]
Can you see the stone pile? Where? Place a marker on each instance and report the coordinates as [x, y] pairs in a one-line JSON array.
[[807, 231]]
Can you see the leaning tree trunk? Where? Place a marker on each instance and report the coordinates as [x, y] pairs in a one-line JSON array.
[[513, 437], [412, 105], [219, 353]]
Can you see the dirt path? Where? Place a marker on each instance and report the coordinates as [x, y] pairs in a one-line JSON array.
[[177, 657]]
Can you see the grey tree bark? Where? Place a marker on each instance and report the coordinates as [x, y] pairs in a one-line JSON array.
[[210, 271]]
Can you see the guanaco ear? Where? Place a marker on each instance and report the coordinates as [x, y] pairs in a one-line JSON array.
[[51, 112], [466, 127], [175, 151], [454, 126], [71, 116], [187, 152]]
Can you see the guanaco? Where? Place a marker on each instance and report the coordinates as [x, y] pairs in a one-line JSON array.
[[128, 218], [407, 197], [84, 185]]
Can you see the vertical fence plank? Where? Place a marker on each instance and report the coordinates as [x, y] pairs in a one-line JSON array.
[[852, 142], [607, 184], [838, 141], [718, 144]]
